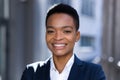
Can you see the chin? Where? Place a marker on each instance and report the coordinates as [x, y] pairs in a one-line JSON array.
[[60, 55]]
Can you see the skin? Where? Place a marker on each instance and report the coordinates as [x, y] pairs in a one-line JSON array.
[[61, 36]]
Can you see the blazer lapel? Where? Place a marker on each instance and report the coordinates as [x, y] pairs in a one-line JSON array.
[[76, 70]]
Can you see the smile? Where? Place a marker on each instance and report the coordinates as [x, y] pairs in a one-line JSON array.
[[59, 45]]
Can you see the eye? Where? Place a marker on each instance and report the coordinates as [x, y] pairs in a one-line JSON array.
[[67, 31], [50, 31]]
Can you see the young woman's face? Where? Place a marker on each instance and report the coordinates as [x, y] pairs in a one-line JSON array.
[[61, 34]]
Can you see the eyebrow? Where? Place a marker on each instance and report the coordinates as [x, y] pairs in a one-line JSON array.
[[68, 27], [49, 26], [62, 27]]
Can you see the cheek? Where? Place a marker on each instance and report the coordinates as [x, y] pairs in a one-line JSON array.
[[48, 38], [71, 38]]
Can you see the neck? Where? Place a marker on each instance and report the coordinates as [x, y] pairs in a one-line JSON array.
[[60, 62]]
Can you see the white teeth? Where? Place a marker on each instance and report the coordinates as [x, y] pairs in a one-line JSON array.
[[59, 45]]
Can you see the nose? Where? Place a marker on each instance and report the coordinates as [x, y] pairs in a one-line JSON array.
[[58, 36]]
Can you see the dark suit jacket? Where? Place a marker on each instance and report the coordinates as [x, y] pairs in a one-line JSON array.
[[80, 71]]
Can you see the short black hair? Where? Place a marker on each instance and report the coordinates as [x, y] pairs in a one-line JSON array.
[[64, 8]]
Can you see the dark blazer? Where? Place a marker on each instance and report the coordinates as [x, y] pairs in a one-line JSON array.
[[80, 71]]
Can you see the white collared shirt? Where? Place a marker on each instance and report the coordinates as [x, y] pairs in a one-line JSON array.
[[55, 75]]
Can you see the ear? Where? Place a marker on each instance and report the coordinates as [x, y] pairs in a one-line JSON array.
[[77, 36]]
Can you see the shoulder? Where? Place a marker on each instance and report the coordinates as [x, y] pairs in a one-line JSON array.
[[92, 67], [36, 64], [89, 66], [28, 73], [94, 71], [86, 64]]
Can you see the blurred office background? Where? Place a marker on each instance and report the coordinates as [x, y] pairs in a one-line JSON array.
[[22, 34]]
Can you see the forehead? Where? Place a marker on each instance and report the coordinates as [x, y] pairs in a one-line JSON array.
[[60, 19], [62, 15]]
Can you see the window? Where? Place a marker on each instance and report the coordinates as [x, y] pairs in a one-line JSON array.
[[87, 44], [88, 7], [87, 41]]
